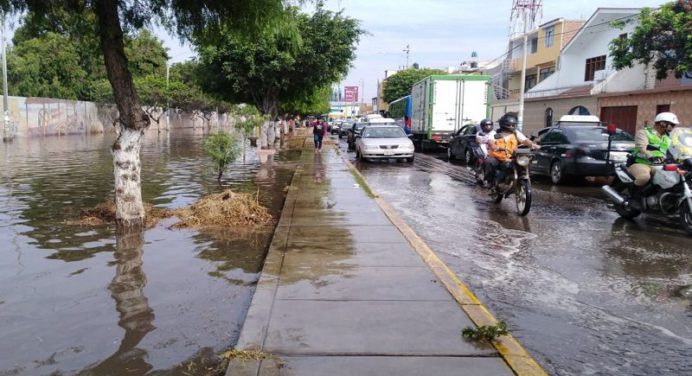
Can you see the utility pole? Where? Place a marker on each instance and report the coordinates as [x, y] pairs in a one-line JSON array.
[[524, 11], [7, 134], [520, 120], [408, 51]]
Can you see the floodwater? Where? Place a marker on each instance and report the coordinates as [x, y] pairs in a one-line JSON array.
[[79, 300], [587, 293]]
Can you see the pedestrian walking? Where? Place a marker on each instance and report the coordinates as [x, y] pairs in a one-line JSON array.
[[318, 134]]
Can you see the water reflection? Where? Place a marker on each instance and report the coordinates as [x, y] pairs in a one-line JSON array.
[[136, 317], [58, 282]]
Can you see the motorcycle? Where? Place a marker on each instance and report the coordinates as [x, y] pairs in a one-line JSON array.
[[477, 162], [516, 182], [669, 191]]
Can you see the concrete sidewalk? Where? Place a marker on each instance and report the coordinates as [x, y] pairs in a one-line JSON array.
[[348, 289]]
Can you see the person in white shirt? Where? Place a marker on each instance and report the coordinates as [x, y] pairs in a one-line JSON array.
[[484, 134]]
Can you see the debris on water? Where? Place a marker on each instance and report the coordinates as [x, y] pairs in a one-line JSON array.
[[104, 213], [226, 208]]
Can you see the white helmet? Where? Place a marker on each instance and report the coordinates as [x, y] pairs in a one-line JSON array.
[[667, 116]]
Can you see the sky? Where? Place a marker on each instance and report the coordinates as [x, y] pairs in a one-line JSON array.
[[440, 33]]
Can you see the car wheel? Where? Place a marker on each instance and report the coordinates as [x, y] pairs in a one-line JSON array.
[[556, 175], [450, 155], [410, 160]]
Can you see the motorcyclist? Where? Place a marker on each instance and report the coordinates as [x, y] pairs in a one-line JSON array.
[[502, 146], [651, 146], [484, 134]]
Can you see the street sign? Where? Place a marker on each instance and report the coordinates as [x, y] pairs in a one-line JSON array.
[[351, 94]]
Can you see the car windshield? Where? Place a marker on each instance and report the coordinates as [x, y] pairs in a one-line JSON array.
[[388, 132], [681, 143], [595, 134]]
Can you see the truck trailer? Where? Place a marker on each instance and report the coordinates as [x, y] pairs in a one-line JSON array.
[[444, 103]]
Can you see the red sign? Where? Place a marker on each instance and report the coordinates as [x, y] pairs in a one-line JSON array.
[[350, 93]]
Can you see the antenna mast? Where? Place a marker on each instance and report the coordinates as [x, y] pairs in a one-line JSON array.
[[525, 16], [407, 50]]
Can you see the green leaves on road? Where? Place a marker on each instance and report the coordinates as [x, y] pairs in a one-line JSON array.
[[485, 333]]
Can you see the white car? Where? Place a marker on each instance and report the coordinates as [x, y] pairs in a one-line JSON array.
[[384, 142]]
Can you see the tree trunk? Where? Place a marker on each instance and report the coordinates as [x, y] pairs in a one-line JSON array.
[[133, 120]]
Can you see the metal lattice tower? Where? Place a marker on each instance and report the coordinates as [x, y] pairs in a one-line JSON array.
[[529, 11]]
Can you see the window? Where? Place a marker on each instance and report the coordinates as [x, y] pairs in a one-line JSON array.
[[530, 82], [554, 137], [534, 45], [549, 34], [592, 65], [662, 108], [579, 110], [548, 117], [545, 73]]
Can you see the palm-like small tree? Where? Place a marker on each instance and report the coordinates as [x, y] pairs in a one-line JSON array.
[[222, 148]]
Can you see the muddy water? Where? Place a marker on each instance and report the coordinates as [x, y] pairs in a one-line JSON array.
[[585, 292], [78, 300]]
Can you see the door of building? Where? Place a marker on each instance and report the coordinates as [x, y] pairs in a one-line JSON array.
[[624, 117]]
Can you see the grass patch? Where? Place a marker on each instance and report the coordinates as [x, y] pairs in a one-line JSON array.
[[248, 355], [254, 354], [485, 333], [363, 184]]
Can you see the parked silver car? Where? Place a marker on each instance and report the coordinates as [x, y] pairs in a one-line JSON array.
[[384, 142]]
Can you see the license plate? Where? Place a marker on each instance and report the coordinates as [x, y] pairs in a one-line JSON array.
[[388, 152], [618, 156]]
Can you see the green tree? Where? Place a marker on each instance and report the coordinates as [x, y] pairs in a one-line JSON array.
[[663, 36], [282, 66], [223, 149], [316, 102], [113, 19], [399, 85], [146, 55], [47, 67]]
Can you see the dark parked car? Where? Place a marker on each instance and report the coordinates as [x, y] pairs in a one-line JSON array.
[[462, 142], [345, 128], [579, 150], [335, 127]]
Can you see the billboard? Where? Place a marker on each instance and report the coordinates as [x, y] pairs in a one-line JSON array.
[[350, 93]]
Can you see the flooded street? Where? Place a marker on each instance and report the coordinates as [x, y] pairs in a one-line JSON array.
[[78, 300], [586, 292]]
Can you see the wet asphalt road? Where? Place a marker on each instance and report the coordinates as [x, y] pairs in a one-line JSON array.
[[587, 293]]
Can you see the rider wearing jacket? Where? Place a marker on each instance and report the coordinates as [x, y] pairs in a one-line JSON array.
[[651, 145], [502, 146]]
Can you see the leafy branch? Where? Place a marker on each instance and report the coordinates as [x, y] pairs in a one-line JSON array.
[[485, 333]]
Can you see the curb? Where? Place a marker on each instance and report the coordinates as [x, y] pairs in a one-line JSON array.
[[511, 351]]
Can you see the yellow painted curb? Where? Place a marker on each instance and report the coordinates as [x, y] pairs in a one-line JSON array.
[[516, 357]]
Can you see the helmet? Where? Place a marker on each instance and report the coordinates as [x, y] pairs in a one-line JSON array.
[[508, 122], [486, 125], [667, 116]]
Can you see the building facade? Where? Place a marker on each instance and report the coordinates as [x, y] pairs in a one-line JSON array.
[[587, 83], [543, 46]]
